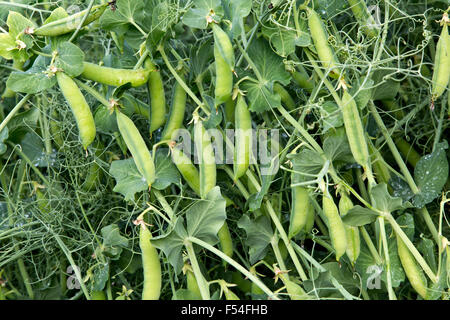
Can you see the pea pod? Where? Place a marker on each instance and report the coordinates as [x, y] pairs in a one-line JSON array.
[[192, 284], [230, 108], [157, 97], [286, 98], [114, 76], [354, 129], [441, 62], [243, 139], [226, 243], [335, 226], [150, 264], [295, 291], [94, 173], [133, 139], [365, 19], [303, 79], [207, 161], [320, 38], [187, 169], [353, 239], [224, 62], [412, 270], [300, 210], [70, 23], [176, 116], [80, 108]]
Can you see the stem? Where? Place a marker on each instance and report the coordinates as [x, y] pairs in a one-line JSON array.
[[370, 245], [167, 208], [202, 284], [14, 111], [279, 258], [387, 258], [97, 95], [80, 25]]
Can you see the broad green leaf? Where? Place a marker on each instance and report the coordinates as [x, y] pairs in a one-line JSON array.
[[431, 174], [331, 116], [363, 92], [336, 147], [307, 164], [382, 200], [359, 216], [259, 234], [436, 290], [239, 9], [33, 147], [23, 120], [33, 80], [386, 87], [196, 17], [406, 222], [70, 59], [105, 121], [113, 241], [100, 276], [329, 8], [127, 12], [17, 24], [128, 179], [166, 172], [7, 46], [4, 134], [206, 217], [282, 39], [426, 248], [57, 14], [255, 200], [397, 273], [369, 272], [401, 188]]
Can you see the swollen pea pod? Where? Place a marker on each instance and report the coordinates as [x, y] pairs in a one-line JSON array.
[[243, 139], [207, 161], [224, 62], [141, 155], [80, 108], [176, 116], [309, 219], [286, 98], [412, 270], [300, 212], [70, 23], [365, 19], [157, 97], [354, 129], [441, 62], [186, 168], [335, 225], [114, 76], [353, 239], [303, 79], [192, 284], [320, 38], [150, 264], [230, 108]]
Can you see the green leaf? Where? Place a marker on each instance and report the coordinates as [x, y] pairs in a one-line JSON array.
[[331, 116], [431, 174], [307, 164], [239, 9], [57, 14], [100, 276], [4, 134], [7, 46], [336, 147], [206, 217], [426, 248], [196, 16], [386, 88], [259, 234], [363, 92], [105, 121], [397, 273], [127, 12], [33, 80], [166, 172], [401, 188], [382, 200], [255, 200], [23, 121], [128, 179], [70, 59], [33, 147], [368, 270], [359, 216], [113, 242], [17, 24], [406, 222], [436, 290]]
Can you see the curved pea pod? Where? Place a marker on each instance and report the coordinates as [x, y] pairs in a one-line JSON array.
[[70, 23], [300, 210], [243, 138], [303, 79], [187, 169], [354, 129], [226, 243], [157, 96], [320, 38], [441, 64], [80, 108], [114, 76], [353, 239], [176, 116], [365, 19], [335, 226], [207, 161], [151, 266], [412, 270], [224, 62], [286, 98], [141, 155]]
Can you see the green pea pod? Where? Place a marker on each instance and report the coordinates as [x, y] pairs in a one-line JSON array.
[[207, 161], [286, 98], [71, 23], [133, 139], [94, 171], [354, 129], [412, 270], [224, 61], [80, 108], [151, 266], [114, 76], [335, 226], [187, 169], [176, 116], [226, 243], [365, 19], [243, 138], [55, 130], [441, 63], [230, 295], [230, 108], [310, 219], [353, 239], [300, 210], [295, 291], [320, 38], [192, 284], [303, 79], [157, 97]]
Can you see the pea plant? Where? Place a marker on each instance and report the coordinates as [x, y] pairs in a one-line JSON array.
[[224, 149]]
